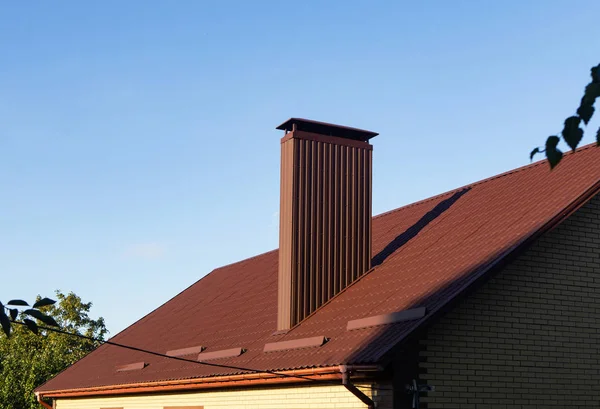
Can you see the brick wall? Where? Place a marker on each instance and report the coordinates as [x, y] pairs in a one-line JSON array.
[[530, 337]]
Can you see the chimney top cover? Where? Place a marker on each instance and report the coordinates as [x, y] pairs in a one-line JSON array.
[[324, 128]]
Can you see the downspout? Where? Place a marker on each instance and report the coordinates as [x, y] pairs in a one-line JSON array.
[[345, 370], [41, 402]]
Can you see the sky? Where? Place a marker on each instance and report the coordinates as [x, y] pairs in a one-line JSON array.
[[138, 148]]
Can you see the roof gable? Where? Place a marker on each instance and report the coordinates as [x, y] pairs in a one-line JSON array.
[[423, 255]]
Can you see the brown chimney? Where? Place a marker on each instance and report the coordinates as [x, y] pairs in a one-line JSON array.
[[325, 214]]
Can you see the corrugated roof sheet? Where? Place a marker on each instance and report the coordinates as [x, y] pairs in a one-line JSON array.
[[423, 254]]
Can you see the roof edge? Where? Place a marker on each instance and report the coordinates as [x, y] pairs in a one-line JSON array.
[[481, 181], [328, 373]]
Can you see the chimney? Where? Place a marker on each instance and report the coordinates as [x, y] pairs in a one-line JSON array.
[[325, 215]]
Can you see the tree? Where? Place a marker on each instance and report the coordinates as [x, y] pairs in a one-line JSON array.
[[28, 358], [572, 132]]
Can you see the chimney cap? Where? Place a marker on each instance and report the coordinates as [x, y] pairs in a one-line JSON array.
[[324, 128]]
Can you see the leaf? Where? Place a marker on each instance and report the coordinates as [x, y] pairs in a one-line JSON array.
[[572, 133], [17, 302], [533, 153], [553, 154], [4, 321], [44, 302], [42, 317], [585, 112], [592, 91], [552, 142], [31, 325], [595, 71], [14, 313], [554, 157], [598, 137]]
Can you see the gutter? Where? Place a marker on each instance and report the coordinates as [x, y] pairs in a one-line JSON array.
[[346, 370], [330, 373], [41, 402]]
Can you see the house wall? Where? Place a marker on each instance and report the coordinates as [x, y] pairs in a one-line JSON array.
[[530, 337], [291, 397]]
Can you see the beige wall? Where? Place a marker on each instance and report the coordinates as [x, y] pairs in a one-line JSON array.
[[530, 337], [299, 397]]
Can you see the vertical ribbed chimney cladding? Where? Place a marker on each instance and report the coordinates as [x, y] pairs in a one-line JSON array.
[[325, 214]]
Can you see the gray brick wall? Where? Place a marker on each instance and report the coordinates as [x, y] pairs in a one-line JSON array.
[[530, 337]]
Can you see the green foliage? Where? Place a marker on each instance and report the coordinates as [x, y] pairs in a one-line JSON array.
[[27, 360], [44, 302], [34, 312], [553, 154], [31, 325], [4, 320], [572, 133], [585, 112], [21, 303], [46, 319], [533, 153]]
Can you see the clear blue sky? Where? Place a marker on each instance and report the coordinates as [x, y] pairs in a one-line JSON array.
[[137, 141]]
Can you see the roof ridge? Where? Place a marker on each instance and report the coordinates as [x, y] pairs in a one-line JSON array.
[[428, 199], [122, 332], [244, 260], [479, 182]]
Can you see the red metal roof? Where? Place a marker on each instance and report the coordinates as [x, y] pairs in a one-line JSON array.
[[424, 255]]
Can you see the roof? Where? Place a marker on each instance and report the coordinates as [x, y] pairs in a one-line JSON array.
[[425, 255]]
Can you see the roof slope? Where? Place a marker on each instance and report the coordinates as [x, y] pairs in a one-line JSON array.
[[424, 254]]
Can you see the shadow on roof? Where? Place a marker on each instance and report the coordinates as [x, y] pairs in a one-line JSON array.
[[413, 230]]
